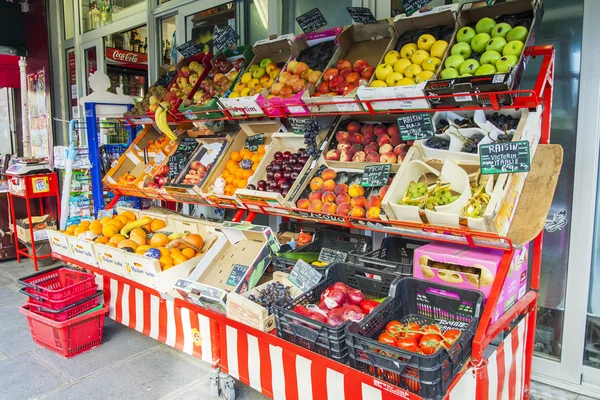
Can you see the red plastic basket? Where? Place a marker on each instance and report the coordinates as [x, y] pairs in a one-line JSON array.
[[59, 304], [67, 338], [58, 283], [65, 313]]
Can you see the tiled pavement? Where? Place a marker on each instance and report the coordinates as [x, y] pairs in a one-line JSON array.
[[128, 365]]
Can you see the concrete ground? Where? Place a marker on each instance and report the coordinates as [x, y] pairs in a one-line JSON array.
[[127, 365]]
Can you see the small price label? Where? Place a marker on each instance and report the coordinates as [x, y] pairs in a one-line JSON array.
[[416, 126], [504, 158], [361, 15], [412, 6], [331, 256], [304, 276], [188, 49], [311, 20], [237, 274], [252, 142], [225, 38], [376, 175]]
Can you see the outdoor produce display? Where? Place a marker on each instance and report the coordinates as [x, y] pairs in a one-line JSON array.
[[257, 77], [282, 172]]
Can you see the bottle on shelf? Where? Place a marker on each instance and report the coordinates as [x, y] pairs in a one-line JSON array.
[[167, 55], [145, 46]]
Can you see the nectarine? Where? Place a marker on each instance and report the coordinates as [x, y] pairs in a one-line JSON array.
[[359, 201], [327, 175], [328, 186], [315, 195], [356, 190], [357, 212], [342, 198], [344, 208], [328, 197], [330, 208], [373, 201], [315, 205], [316, 183], [341, 188], [303, 203]]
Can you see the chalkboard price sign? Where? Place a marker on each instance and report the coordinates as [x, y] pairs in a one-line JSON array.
[[178, 160], [304, 276], [361, 15], [237, 274], [188, 49], [331, 256], [376, 175], [166, 79], [225, 38], [504, 158], [252, 142], [412, 6], [311, 20], [416, 126]]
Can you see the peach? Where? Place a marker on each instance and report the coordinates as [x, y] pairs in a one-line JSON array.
[[292, 79], [316, 183], [393, 129], [372, 148], [332, 155], [341, 188], [356, 148], [315, 195], [383, 191], [359, 201], [342, 136], [396, 140], [369, 138], [303, 203], [328, 186], [400, 151], [342, 198], [355, 138], [373, 201], [383, 139], [373, 213], [330, 208], [356, 190], [343, 145], [354, 127], [315, 205], [344, 208], [380, 129], [327, 175], [357, 212], [367, 128], [388, 158], [328, 197], [300, 68], [346, 155], [386, 148], [373, 157], [360, 156]]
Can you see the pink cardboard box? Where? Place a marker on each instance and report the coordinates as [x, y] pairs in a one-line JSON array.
[[469, 268]]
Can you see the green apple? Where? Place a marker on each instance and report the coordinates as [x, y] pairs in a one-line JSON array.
[[462, 49], [465, 34], [449, 73], [454, 61], [485, 69], [506, 63], [501, 30], [469, 66], [485, 25], [265, 61], [496, 44], [479, 42], [490, 57], [517, 33], [466, 75], [514, 48]]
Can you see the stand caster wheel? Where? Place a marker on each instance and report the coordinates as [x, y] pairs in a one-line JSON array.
[[214, 384], [227, 386]]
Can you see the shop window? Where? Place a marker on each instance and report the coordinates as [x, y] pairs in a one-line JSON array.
[[91, 65], [257, 26], [127, 61], [98, 13], [334, 12], [69, 19], [201, 26]]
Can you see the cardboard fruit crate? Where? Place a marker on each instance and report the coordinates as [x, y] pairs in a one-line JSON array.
[[357, 42], [83, 250], [59, 242], [441, 21], [241, 309], [129, 163], [278, 49]]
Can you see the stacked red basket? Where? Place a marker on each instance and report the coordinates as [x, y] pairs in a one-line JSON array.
[[64, 310]]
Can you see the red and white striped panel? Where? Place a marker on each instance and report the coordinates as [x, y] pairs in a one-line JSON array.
[[282, 374], [153, 316]]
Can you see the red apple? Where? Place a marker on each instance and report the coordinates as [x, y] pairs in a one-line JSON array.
[[353, 78], [340, 89], [330, 73], [335, 81], [345, 72], [368, 72], [348, 89], [359, 65], [323, 87], [341, 64]]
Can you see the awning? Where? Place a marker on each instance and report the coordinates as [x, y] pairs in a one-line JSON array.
[[9, 72]]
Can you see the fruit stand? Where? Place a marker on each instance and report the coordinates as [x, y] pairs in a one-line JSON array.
[[362, 172]]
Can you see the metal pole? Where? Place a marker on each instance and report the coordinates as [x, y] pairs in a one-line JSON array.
[[25, 108], [91, 125]]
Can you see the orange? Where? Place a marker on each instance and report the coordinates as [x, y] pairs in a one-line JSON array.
[[140, 241], [129, 215], [71, 228], [78, 232], [174, 252], [142, 249], [127, 243], [225, 174], [229, 179], [102, 240], [96, 227], [157, 225], [138, 232], [255, 158], [105, 220], [242, 183], [246, 154], [239, 173], [159, 240], [254, 166], [235, 182], [118, 223], [164, 251], [229, 188], [247, 174], [179, 258], [231, 163], [165, 262], [116, 239], [194, 240], [111, 244], [123, 219], [189, 253], [233, 168], [109, 230], [236, 156], [261, 149]]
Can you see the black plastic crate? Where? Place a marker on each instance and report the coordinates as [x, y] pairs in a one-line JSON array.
[[340, 241], [321, 338], [395, 255], [423, 302]]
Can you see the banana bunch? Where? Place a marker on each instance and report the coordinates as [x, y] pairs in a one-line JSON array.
[[161, 120], [135, 224]]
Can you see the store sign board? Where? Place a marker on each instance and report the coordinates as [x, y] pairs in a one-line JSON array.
[[412, 6], [376, 175], [504, 158], [311, 20], [225, 38], [361, 15], [416, 126], [188, 49], [118, 56]]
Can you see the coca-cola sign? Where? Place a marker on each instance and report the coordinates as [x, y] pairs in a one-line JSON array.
[[125, 57]]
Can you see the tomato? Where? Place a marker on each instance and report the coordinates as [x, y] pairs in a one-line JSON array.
[[450, 337], [386, 338], [431, 328], [164, 170], [368, 305], [394, 328], [430, 343], [410, 379], [413, 326], [409, 344]]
